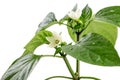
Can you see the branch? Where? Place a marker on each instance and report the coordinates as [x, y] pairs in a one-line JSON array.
[[58, 77], [89, 78], [51, 56]]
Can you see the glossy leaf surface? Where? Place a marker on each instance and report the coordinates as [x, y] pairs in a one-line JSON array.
[[109, 14], [21, 68], [86, 14], [94, 49], [48, 21]]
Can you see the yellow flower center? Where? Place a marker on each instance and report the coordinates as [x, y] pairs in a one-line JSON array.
[[57, 41]]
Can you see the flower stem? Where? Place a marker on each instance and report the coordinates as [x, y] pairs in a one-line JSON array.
[[51, 56], [68, 66]]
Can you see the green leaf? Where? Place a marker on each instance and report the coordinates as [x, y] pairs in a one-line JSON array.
[[57, 50], [49, 20], [72, 34], [37, 40], [94, 49], [21, 68], [109, 31], [109, 14], [86, 14]]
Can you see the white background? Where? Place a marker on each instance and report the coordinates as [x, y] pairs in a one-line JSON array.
[[18, 22]]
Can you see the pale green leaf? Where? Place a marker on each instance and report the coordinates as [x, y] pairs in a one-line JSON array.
[[72, 34], [109, 31], [37, 40]]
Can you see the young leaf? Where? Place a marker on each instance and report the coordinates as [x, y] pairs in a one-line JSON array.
[[86, 14], [109, 31], [94, 49], [109, 14], [37, 40], [21, 68], [48, 21]]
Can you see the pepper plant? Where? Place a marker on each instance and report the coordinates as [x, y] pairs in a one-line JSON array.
[[93, 36]]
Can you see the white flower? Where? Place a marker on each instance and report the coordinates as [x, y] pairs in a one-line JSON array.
[[54, 40], [75, 14]]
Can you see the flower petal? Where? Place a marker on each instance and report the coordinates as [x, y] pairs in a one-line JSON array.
[[50, 39], [55, 37], [52, 45], [74, 15]]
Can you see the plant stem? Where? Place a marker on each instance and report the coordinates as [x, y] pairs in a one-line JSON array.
[[77, 61], [77, 68], [58, 77], [89, 78], [68, 66]]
